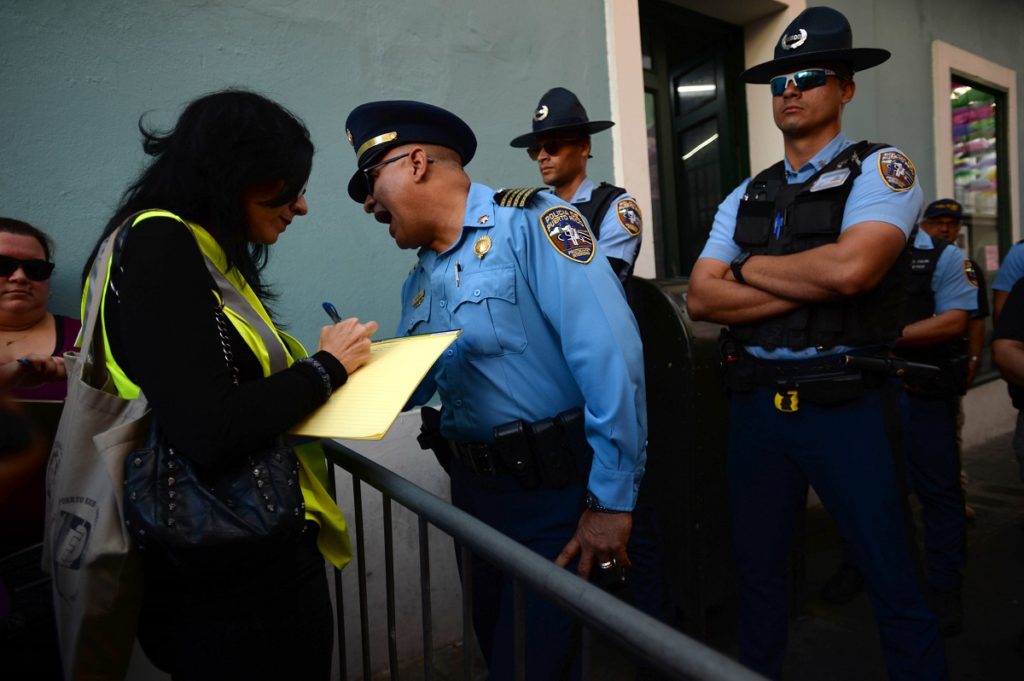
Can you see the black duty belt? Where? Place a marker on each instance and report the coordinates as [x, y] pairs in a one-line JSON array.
[[825, 380], [549, 453]]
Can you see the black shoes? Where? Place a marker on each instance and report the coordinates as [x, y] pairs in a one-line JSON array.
[[949, 608], [842, 587]]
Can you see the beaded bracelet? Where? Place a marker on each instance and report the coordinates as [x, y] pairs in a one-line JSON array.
[[325, 378]]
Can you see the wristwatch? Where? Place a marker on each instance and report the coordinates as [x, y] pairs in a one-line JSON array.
[[737, 266], [595, 506]]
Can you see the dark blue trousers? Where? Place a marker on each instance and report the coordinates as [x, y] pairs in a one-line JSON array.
[[935, 475], [843, 451], [543, 520]]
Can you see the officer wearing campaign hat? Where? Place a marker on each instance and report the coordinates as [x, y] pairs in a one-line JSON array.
[[560, 144], [805, 263], [543, 429]]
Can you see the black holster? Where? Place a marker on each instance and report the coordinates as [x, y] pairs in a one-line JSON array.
[[430, 436], [950, 381]]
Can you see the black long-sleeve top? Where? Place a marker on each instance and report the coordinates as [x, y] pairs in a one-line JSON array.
[[164, 335]]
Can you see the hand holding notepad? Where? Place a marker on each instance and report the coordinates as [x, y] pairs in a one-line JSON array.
[[372, 398]]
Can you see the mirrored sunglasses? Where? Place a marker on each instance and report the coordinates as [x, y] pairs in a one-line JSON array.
[[808, 79], [36, 270], [552, 147]]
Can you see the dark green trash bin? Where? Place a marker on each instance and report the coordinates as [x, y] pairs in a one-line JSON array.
[[687, 417]]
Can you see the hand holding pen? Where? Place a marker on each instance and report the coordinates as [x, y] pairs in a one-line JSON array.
[[31, 370], [347, 339]]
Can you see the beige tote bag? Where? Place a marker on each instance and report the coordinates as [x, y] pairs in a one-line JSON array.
[[97, 577]]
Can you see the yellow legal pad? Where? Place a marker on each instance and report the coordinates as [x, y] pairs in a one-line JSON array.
[[372, 398]]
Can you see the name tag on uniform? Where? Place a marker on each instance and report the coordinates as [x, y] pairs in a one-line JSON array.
[[830, 179]]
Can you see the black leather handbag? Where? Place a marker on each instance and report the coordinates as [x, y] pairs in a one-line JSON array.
[[203, 519]]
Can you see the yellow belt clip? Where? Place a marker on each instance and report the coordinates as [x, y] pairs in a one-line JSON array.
[[788, 402]]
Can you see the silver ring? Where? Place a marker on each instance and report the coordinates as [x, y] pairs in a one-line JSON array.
[[607, 565]]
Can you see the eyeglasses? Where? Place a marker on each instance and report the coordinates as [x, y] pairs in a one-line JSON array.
[[808, 79], [370, 179], [552, 147], [36, 270]]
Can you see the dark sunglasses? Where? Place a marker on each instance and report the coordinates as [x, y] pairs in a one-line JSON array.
[[552, 147], [808, 79], [36, 270], [284, 199]]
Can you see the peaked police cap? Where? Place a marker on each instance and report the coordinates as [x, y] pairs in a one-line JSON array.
[[944, 207], [559, 111], [818, 36], [375, 127]]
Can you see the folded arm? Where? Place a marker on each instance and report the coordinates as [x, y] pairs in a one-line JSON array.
[[936, 329], [852, 265]]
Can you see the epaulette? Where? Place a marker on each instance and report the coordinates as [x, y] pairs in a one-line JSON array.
[[516, 198]]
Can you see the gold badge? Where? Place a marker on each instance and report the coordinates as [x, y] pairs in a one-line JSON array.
[[482, 246], [788, 402], [418, 298], [483, 219]]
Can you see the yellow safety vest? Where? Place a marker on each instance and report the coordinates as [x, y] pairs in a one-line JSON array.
[[275, 351]]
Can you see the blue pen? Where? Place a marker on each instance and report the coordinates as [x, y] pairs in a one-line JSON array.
[[777, 227], [332, 312]]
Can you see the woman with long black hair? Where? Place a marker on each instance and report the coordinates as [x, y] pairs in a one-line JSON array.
[[222, 187]]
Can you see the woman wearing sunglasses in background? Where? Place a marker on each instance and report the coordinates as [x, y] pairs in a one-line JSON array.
[[32, 344], [28, 330]]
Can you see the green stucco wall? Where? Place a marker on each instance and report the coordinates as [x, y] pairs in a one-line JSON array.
[[75, 76]]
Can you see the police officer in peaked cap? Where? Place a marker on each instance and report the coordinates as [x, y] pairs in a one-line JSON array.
[[805, 264], [560, 144], [941, 296], [543, 425]]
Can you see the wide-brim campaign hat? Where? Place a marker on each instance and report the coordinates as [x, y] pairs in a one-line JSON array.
[[559, 110], [818, 36], [375, 127]]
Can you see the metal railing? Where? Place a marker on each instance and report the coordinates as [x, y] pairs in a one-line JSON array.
[[641, 636]]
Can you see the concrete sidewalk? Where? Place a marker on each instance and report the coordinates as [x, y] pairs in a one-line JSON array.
[[840, 643]]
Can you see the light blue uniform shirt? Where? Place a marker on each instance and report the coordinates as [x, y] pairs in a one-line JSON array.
[[1011, 270], [615, 241], [541, 334], [871, 199], [950, 286]]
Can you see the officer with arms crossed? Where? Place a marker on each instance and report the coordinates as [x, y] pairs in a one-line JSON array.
[[942, 220], [942, 292], [804, 264], [560, 144], [543, 428]]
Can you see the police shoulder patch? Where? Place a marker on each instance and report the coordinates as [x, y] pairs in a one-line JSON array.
[[969, 273], [897, 170], [516, 198], [629, 216], [568, 232]]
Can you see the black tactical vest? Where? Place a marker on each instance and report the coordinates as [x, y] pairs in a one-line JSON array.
[[600, 199], [921, 300], [776, 218], [923, 261]]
